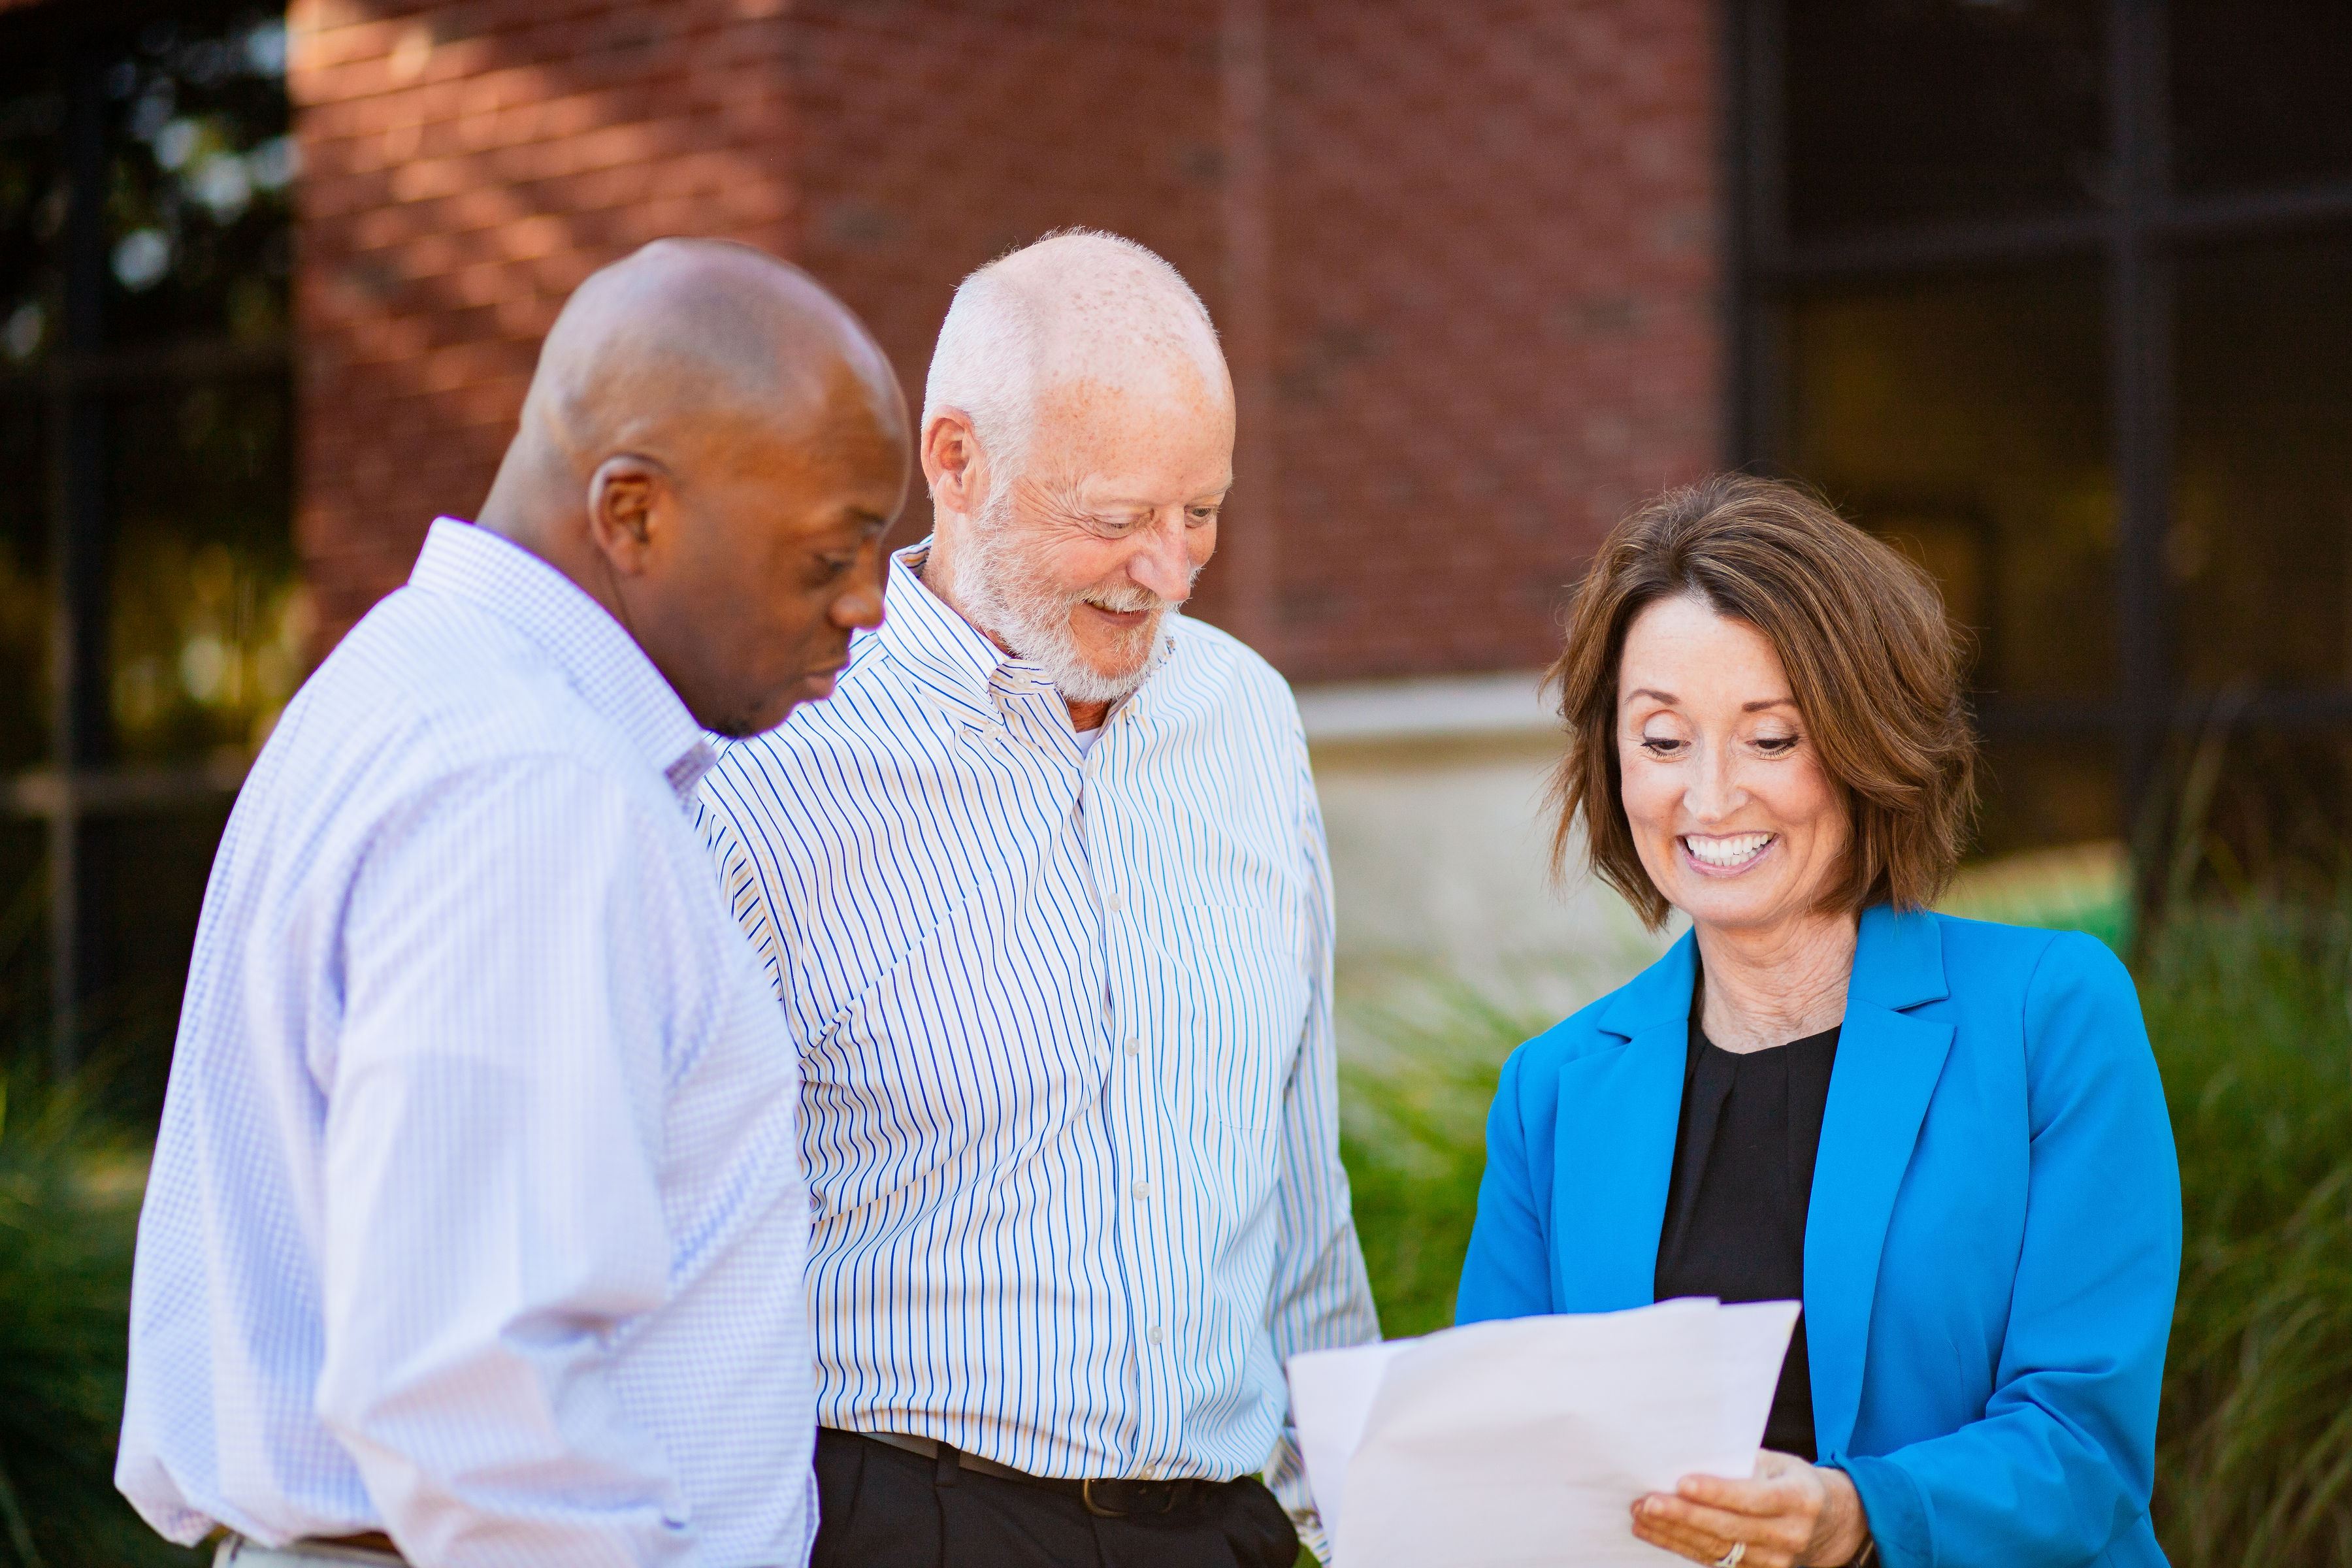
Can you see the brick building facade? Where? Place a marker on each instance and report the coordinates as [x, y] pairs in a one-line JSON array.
[[1464, 257], [2048, 292], [272, 278]]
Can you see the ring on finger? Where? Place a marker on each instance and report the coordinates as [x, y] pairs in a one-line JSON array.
[[1731, 1558]]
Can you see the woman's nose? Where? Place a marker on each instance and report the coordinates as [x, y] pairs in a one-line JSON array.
[[1714, 793]]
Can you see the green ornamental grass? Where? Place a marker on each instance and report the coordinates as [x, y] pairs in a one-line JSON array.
[[2249, 1013], [68, 1206]]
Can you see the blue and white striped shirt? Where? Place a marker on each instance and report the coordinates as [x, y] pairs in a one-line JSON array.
[[1065, 1033], [476, 1212]]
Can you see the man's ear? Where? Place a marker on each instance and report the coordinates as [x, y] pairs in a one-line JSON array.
[[627, 498], [954, 468]]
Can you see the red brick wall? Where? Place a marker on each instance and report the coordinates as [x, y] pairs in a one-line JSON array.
[[465, 165], [939, 133], [1498, 325], [1462, 251]]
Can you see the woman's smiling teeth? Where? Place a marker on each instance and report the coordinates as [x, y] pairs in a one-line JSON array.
[[1728, 852]]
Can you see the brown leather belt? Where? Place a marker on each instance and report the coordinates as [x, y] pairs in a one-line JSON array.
[[1104, 1499], [371, 1548]]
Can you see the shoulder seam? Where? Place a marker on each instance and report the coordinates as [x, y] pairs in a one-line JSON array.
[[2025, 993]]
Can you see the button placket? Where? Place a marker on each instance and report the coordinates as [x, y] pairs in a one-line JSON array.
[[1143, 1226]]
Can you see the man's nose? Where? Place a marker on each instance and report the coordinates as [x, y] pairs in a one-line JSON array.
[[859, 606], [1162, 563]]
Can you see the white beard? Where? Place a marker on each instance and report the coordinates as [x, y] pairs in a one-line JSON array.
[[1005, 597]]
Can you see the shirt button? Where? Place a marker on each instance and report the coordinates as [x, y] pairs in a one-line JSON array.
[[1113, 902], [1159, 1334], [1134, 1047], [1142, 1189]]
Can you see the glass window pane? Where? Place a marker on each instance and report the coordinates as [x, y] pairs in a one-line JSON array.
[[2261, 554], [206, 630], [143, 887], [201, 169], [2040, 791], [1967, 418], [200, 164], [32, 193], [24, 940], [2259, 810], [1910, 111], [25, 585], [2259, 94]]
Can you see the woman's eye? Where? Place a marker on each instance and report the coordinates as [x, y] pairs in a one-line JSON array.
[[1776, 745], [1661, 746]]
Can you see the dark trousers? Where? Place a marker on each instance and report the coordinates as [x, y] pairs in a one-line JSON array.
[[880, 1507]]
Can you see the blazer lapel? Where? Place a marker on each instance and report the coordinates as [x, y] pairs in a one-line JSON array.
[[1888, 1062], [1615, 1144]]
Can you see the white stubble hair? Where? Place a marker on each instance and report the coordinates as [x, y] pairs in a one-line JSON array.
[[1001, 591], [988, 360]]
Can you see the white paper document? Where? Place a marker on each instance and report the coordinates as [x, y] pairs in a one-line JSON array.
[[1527, 1442]]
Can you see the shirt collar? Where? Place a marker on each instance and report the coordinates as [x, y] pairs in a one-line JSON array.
[[920, 628], [599, 659]]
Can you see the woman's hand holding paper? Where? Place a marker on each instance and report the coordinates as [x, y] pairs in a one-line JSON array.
[[1790, 1515]]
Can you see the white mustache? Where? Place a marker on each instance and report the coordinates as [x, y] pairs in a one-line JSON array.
[[1127, 599]]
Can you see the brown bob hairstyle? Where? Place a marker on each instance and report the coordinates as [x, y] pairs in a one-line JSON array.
[[1872, 664]]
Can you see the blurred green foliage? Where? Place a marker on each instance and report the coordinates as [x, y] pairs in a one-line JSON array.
[[2250, 1010], [69, 1186], [1412, 1133]]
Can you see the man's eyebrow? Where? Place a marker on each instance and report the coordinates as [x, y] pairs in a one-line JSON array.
[[1104, 503]]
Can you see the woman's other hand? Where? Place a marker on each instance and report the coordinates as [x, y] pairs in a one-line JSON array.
[[1791, 1515]]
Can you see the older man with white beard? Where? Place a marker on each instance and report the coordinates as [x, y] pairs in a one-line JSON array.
[[1044, 892]]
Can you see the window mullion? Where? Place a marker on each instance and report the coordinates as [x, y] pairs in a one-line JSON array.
[[2139, 342], [1755, 227], [78, 514]]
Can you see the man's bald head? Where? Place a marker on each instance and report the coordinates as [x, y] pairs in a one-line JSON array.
[[688, 336], [705, 429], [1074, 308]]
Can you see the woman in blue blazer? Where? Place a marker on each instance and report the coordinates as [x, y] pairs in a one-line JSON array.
[[1947, 1138]]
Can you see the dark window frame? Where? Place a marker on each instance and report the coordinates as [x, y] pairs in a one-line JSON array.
[[2134, 235], [81, 786]]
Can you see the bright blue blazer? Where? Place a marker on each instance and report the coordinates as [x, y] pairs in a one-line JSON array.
[[1991, 1251]]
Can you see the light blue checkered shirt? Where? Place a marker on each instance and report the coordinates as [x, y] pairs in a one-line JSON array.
[[1064, 1025], [477, 1214]]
